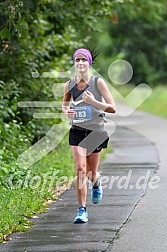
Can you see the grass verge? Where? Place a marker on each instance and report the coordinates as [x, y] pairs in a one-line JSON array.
[[27, 195], [156, 103]]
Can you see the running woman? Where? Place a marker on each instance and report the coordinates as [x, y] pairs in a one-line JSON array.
[[83, 104]]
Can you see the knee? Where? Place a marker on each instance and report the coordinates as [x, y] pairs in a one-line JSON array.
[[91, 175], [80, 169]]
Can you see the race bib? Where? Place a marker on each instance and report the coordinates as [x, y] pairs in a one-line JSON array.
[[83, 113]]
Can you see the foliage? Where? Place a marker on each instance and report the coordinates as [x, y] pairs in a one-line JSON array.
[[138, 35]]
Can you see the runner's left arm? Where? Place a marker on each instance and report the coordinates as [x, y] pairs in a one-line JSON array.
[[109, 105]]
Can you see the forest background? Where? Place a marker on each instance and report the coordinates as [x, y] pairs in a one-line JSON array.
[[38, 36]]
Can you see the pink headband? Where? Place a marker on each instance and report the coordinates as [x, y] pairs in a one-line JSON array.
[[84, 52]]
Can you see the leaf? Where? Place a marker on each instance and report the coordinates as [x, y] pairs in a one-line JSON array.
[[5, 33]]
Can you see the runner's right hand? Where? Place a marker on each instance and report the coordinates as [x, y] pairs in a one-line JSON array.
[[70, 113]]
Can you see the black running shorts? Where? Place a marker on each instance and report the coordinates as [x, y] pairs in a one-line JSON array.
[[93, 141]]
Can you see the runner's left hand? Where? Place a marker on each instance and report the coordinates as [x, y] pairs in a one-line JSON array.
[[88, 97]]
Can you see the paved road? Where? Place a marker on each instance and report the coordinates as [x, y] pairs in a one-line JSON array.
[[128, 218]]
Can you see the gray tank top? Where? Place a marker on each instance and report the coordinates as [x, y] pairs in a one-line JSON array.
[[87, 116]]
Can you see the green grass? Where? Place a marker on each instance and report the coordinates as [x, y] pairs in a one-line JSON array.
[[16, 207], [28, 194], [156, 103]]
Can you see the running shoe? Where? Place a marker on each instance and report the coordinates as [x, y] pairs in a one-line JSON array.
[[97, 193], [82, 216]]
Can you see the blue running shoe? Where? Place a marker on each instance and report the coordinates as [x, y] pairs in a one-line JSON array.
[[82, 216], [97, 193]]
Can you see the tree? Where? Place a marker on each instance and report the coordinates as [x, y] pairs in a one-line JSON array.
[[138, 34]]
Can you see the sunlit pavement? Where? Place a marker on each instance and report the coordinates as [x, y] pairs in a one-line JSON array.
[[131, 216]]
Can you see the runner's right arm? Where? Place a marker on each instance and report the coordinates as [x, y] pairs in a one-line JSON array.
[[66, 102]]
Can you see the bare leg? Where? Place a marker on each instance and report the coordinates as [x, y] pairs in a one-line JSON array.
[[79, 156], [92, 166]]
